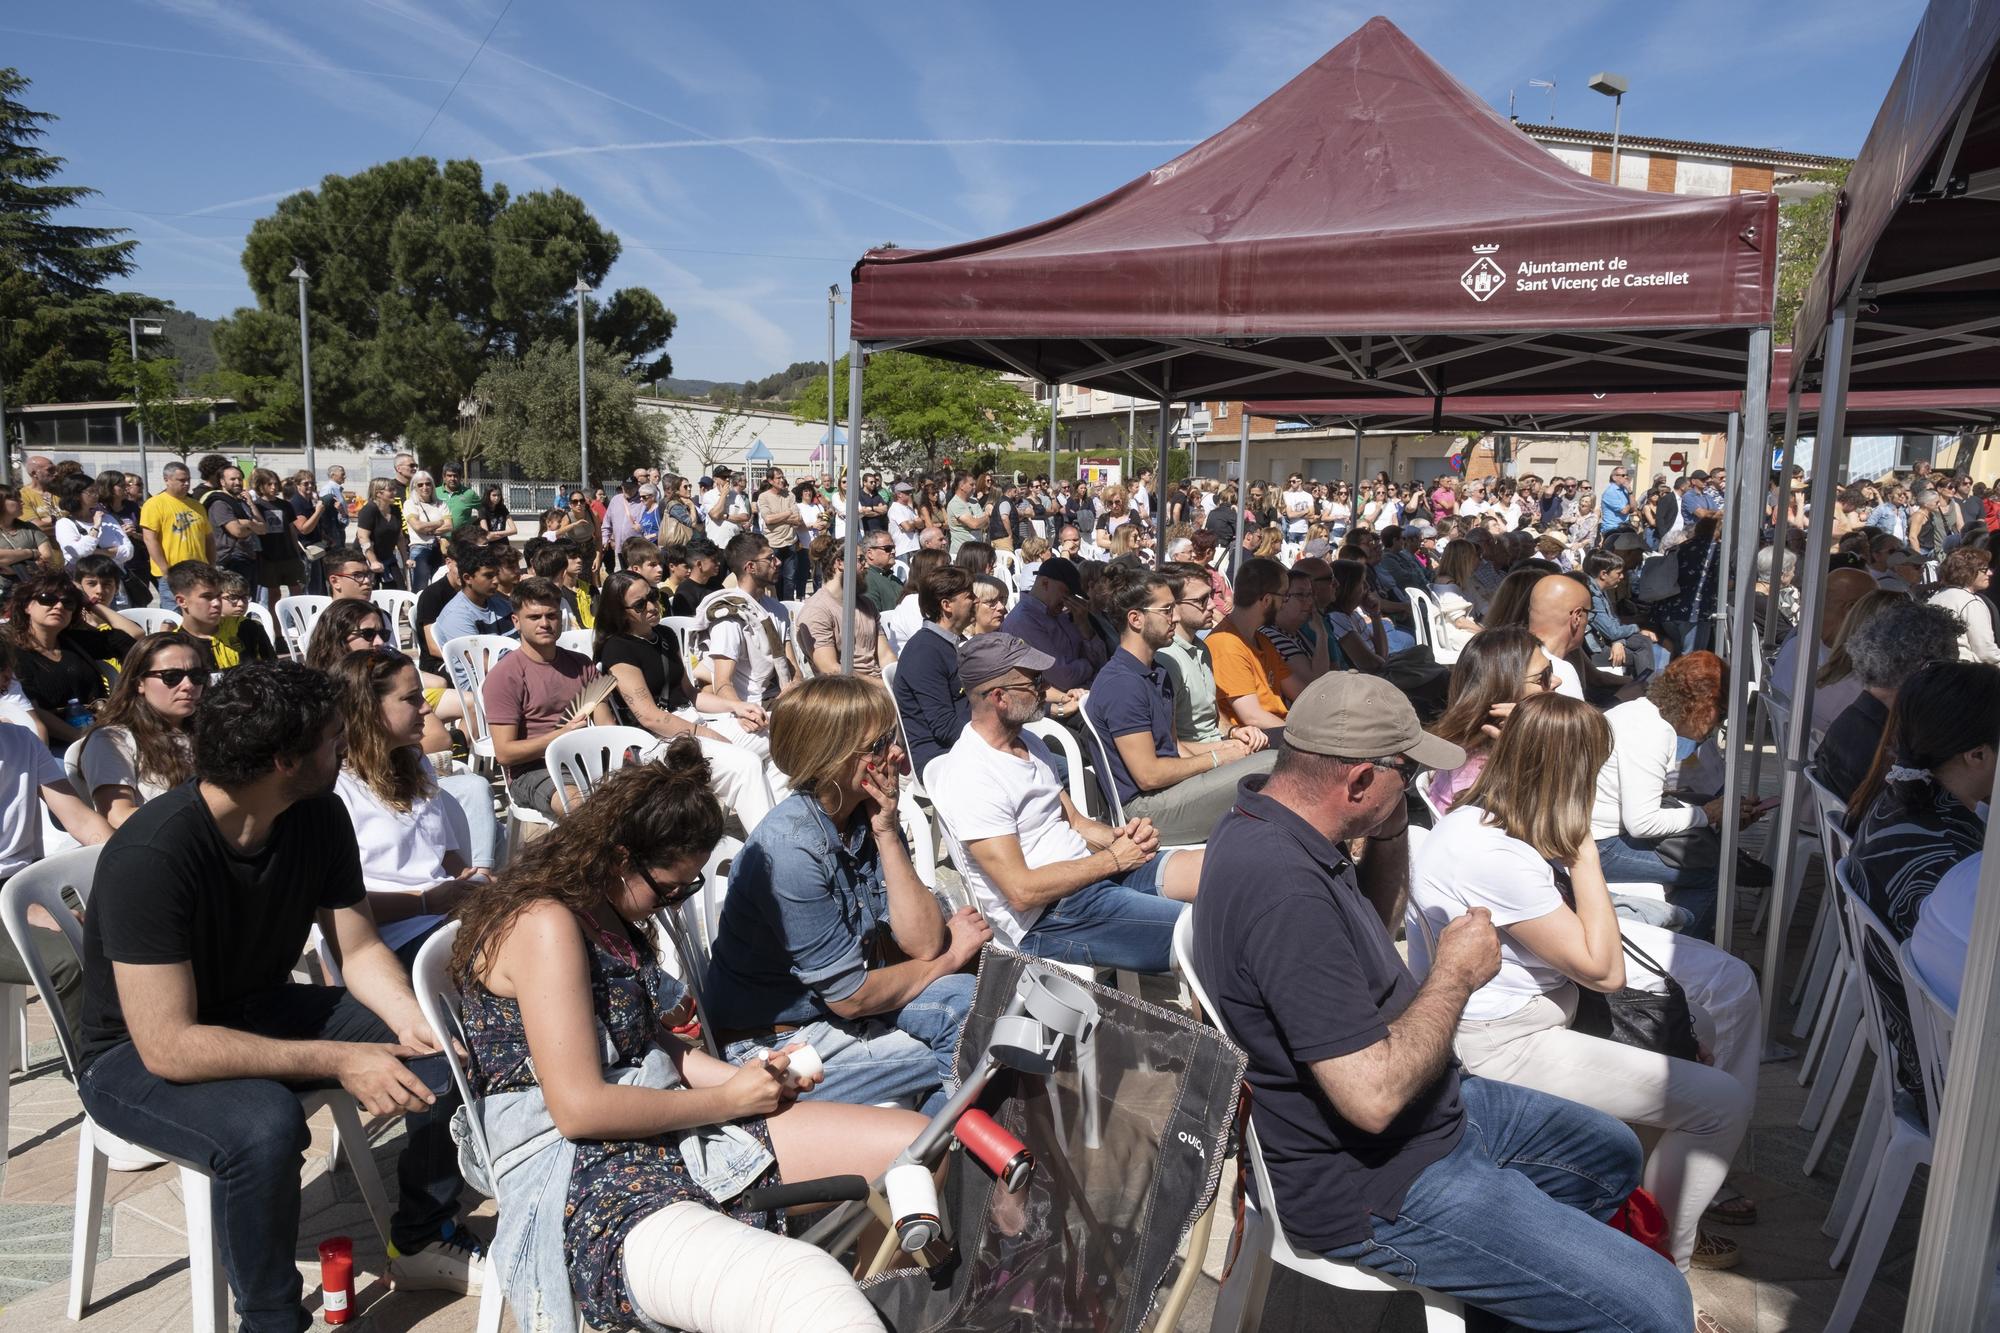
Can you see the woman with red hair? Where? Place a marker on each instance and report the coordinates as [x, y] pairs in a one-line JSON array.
[[1645, 832]]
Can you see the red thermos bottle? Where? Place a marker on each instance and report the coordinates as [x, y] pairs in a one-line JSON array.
[[336, 1279]]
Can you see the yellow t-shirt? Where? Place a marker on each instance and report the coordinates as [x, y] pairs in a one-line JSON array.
[[38, 507], [182, 527], [1243, 666]]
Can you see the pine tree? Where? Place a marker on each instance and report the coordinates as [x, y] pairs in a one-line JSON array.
[[65, 260]]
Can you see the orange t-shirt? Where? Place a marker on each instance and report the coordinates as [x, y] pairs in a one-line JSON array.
[[1245, 665]]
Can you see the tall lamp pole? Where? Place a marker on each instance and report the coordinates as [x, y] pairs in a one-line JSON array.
[[152, 330], [833, 298], [1613, 86], [582, 290], [299, 276]]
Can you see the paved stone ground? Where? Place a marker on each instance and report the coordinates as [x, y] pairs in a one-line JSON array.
[[141, 1284]]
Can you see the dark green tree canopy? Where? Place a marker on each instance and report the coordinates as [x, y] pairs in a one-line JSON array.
[[526, 414], [917, 409], [421, 278]]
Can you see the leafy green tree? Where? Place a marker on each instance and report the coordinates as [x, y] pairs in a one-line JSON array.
[[422, 278], [57, 323], [918, 409], [1804, 228], [174, 420], [528, 414]]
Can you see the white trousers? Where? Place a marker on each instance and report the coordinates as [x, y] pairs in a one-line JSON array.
[[693, 1268], [1702, 1110]]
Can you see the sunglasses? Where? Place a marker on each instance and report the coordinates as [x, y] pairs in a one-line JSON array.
[[70, 600], [672, 895], [1400, 765], [372, 634], [881, 746], [173, 677]]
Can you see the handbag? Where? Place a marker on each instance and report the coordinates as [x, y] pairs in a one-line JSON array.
[[1659, 1021]]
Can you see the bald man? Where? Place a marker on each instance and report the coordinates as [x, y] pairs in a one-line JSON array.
[[1558, 614]]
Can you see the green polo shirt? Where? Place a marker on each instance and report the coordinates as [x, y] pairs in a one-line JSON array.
[[462, 504]]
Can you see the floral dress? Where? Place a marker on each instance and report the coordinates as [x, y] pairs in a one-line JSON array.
[[615, 1185]]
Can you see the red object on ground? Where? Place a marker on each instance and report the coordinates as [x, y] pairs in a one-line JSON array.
[[336, 1279], [1642, 1218]]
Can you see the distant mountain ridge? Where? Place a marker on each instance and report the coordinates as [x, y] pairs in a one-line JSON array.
[[778, 388]]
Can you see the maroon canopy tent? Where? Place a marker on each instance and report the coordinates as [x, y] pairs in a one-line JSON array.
[[1915, 238], [1372, 225]]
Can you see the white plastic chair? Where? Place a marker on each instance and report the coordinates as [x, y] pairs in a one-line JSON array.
[[443, 1009], [1058, 737], [1822, 978], [1902, 1140], [296, 617], [153, 619], [401, 608], [1427, 617], [256, 611], [1239, 1304], [467, 659], [580, 759], [42, 885], [73, 770], [1107, 785], [578, 641]]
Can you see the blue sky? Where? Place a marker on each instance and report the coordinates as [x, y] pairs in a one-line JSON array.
[[747, 153]]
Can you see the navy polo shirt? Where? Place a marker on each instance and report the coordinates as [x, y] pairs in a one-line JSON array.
[[1299, 964], [1129, 696]]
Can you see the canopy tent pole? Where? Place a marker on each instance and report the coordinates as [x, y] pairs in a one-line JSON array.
[[1755, 431], [850, 575], [1718, 635], [1590, 466], [1194, 446], [1160, 483], [1829, 443], [1356, 489], [1769, 631], [1242, 490], [1054, 480]]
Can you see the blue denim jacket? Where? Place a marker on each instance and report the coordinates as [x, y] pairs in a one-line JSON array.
[[799, 922], [532, 1164]]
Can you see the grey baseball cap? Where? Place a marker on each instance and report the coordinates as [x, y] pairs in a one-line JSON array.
[[985, 657], [1349, 715]]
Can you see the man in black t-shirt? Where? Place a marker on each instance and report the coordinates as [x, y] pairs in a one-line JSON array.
[[194, 1036], [432, 600], [1357, 1101], [704, 577]]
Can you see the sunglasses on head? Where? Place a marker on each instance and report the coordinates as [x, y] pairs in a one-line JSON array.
[[172, 677]]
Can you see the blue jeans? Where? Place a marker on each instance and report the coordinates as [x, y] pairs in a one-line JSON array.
[[250, 1133], [471, 800], [1120, 922], [902, 1056], [1634, 860], [167, 602], [1512, 1221]]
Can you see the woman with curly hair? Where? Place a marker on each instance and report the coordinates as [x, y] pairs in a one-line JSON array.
[[631, 1204], [1965, 574], [142, 743]]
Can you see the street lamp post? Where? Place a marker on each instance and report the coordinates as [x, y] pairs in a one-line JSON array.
[[1613, 86], [582, 289], [833, 298], [299, 276], [153, 329]]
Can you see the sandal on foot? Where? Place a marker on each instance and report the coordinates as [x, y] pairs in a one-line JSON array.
[[1731, 1208], [1704, 1322], [1715, 1252]]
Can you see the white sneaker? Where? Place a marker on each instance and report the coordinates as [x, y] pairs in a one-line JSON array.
[[450, 1264]]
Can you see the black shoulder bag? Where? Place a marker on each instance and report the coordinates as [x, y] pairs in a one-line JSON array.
[[1650, 1020]]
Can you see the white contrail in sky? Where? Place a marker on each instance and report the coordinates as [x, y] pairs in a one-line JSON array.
[[828, 140]]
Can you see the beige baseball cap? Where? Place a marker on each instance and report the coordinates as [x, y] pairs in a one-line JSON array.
[[1349, 715]]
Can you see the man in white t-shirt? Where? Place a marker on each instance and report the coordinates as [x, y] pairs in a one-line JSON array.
[[724, 510], [1297, 502], [1052, 881], [904, 525], [1558, 615], [750, 630], [31, 777]]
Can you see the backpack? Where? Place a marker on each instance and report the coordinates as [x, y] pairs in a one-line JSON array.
[[1659, 577]]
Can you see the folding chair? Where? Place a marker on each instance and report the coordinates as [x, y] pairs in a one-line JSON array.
[[580, 759], [1239, 1304], [296, 617], [153, 619], [42, 885], [401, 608]]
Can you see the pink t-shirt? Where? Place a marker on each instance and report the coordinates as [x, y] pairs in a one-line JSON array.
[[1447, 785], [1443, 501], [533, 695]]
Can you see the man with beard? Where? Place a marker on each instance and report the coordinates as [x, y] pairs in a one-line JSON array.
[[194, 1035], [1052, 881], [1181, 786], [1250, 673]]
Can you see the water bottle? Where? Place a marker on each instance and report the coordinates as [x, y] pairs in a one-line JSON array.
[[77, 713]]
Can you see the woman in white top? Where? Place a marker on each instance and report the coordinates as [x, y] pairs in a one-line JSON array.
[[141, 745], [83, 529], [412, 836], [1337, 511], [1518, 846], [1457, 594], [425, 519], [1966, 574]]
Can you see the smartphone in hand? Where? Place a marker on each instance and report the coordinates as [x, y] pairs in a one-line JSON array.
[[435, 1072]]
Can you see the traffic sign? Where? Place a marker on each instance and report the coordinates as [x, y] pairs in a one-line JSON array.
[[1678, 463]]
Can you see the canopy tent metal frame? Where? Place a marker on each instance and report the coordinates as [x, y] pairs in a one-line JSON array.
[[1899, 302]]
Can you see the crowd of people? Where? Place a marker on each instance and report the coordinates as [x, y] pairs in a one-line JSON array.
[[1356, 690]]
